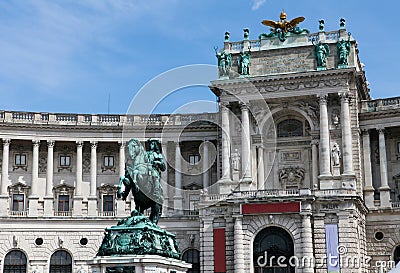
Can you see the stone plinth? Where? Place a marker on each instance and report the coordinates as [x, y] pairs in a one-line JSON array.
[[138, 264]]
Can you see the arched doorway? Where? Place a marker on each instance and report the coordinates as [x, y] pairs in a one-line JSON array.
[[192, 256], [272, 241], [396, 254], [15, 262], [61, 262]]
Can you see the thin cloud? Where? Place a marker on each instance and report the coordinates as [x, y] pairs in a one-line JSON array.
[[257, 4]]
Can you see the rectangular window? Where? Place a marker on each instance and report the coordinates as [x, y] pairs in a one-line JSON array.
[[20, 159], [108, 203], [109, 161], [398, 147], [18, 202], [63, 203], [194, 159], [65, 161]]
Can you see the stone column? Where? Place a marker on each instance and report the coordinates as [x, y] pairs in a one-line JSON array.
[[164, 179], [92, 199], [77, 207], [368, 187], [226, 145], [260, 169], [238, 245], [178, 199], [307, 237], [314, 155], [49, 198], [4, 167], [121, 158], [246, 142], [33, 198], [4, 198], [346, 135], [207, 245], [324, 149], [206, 173], [384, 189], [120, 211]]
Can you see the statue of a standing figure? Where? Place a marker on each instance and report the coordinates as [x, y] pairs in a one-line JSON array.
[[224, 62], [142, 177], [343, 49], [336, 155], [322, 53], [236, 160], [244, 63]]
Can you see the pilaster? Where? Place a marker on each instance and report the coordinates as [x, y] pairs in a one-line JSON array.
[[4, 197], [33, 199], [49, 198], [92, 199], [77, 206]]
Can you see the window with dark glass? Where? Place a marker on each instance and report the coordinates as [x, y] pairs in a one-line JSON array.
[[61, 262], [109, 161], [194, 159], [15, 262], [18, 202], [290, 128], [276, 242], [65, 161], [63, 203], [20, 159], [396, 255], [192, 256], [108, 203]]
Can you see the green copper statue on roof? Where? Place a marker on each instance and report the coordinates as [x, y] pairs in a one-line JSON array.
[[343, 50], [321, 53], [283, 27], [224, 62]]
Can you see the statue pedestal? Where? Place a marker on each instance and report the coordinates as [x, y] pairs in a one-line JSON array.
[[138, 264]]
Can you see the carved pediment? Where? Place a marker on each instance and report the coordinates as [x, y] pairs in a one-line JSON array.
[[64, 189], [19, 188], [107, 189]]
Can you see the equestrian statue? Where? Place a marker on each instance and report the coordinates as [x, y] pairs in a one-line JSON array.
[[142, 177]]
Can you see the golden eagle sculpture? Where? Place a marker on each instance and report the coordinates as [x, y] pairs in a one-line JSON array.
[[282, 27]]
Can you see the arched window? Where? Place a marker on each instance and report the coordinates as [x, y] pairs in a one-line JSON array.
[[272, 241], [61, 262], [192, 256], [15, 262], [396, 255], [290, 128]]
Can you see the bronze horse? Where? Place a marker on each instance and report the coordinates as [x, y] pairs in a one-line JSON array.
[[141, 178]]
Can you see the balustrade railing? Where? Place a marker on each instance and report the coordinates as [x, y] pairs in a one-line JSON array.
[[106, 213], [19, 213], [63, 213], [104, 120], [381, 104]]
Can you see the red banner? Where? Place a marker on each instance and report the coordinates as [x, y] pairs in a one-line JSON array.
[[271, 208], [219, 250]]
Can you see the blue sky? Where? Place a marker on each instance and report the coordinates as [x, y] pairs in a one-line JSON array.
[[71, 56]]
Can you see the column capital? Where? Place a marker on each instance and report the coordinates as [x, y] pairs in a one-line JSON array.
[[314, 142], [93, 145], [6, 141], [50, 143], [381, 130], [365, 132], [244, 105], [122, 144], [223, 104], [79, 143], [322, 98], [36, 142], [344, 96]]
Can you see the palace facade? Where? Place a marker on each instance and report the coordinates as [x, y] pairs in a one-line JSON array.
[[299, 162]]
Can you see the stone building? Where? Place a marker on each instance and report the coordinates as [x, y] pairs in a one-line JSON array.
[[299, 162]]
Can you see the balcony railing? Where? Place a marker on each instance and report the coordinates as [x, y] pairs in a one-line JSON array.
[[19, 213], [106, 213], [396, 205], [380, 105], [63, 213], [190, 212]]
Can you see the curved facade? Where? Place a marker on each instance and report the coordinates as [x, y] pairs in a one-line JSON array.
[[299, 161]]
